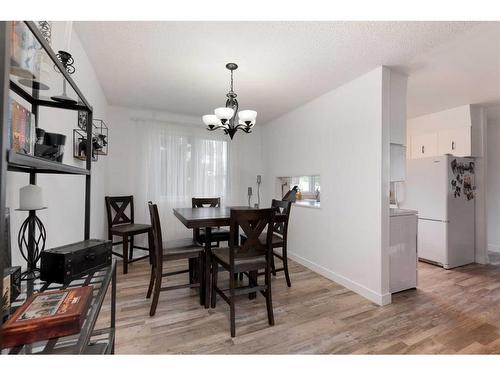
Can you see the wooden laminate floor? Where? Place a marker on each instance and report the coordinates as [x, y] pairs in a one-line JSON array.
[[452, 311]]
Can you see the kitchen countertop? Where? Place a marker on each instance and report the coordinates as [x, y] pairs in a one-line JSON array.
[[402, 212]]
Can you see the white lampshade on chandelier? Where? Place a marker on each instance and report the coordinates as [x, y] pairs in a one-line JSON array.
[[225, 117]]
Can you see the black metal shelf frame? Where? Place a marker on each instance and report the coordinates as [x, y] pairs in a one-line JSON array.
[[11, 161]]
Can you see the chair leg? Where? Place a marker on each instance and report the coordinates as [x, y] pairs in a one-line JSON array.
[[252, 281], [269, 300], [273, 267], [231, 306], [125, 254], [157, 287], [285, 266], [191, 270], [215, 271], [151, 282], [131, 247]]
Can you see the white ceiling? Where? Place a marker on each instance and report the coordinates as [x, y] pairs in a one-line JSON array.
[[179, 66]]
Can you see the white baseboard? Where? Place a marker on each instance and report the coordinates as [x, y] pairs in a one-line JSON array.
[[494, 248], [344, 281]]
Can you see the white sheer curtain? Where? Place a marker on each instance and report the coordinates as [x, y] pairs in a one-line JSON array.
[[175, 163]]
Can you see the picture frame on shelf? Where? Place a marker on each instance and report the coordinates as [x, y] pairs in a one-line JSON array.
[[80, 145], [100, 129], [82, 120]]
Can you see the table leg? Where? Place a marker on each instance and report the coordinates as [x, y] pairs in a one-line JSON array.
[[208, 263]]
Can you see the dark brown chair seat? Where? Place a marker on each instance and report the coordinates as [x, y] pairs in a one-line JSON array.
[[130, 229], [180, 247], [240, 264]]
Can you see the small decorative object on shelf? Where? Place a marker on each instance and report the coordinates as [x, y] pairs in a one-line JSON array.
[[32, 234], [249, 196], [21, 132], [47, 315], [82, 120], [67, 61], [45, 28], [11, 290], [80, 145], [50, 145], [66, 263], [101, 134]]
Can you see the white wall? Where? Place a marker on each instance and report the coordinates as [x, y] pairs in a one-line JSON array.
[[493, 186], [340, 136], [245, 153], [64, 195]]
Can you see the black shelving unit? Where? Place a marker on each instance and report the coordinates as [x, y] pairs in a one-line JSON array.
[[31, 165]]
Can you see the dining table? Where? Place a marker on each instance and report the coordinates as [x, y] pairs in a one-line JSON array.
[[208, 218]]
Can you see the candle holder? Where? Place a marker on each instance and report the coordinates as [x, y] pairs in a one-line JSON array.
[[32, 234], [67, 61]]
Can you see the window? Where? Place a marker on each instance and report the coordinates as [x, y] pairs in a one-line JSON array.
[[309, 188], [191, 166]]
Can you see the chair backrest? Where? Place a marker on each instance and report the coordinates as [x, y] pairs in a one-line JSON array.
[[252, 222], [116, 210], [281, 207], [156, 232], [205, 202]]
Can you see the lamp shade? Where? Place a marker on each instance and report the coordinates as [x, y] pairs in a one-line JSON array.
[[224, 113], [30, 198], [247, 115], [210, 120]]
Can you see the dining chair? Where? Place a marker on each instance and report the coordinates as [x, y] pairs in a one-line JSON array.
[[122, 225], [218, 234], [250, 257], [279, 238], [170, 251]]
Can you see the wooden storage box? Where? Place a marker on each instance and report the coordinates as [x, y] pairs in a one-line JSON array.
[[47, 315], [66, 263]]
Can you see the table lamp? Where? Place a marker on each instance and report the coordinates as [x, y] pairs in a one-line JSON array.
[[32, 234]]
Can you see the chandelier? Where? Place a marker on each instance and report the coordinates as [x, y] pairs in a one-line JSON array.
[[225, 117]]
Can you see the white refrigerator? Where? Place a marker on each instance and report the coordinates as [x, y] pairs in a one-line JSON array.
[[442, 190]]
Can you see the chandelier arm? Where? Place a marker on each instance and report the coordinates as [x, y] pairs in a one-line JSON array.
[[217, 127]]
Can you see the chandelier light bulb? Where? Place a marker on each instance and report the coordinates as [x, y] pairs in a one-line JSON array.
[[224, 114], [210, 120]]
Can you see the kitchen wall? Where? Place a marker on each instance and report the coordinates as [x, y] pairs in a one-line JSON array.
[[342, 136], [64, 195], [493, 186], [245, 153]]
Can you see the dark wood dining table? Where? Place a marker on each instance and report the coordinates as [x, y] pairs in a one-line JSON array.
[[207, 218]]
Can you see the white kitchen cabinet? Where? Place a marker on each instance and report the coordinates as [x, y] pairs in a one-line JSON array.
[[402, 250], [456, 141], [424, 145]]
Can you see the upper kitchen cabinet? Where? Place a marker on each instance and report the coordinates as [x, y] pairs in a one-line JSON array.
[[456, 131], [423, 145], [456, 142]]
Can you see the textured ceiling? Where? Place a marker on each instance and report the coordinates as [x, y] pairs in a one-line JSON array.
[[179, 66]]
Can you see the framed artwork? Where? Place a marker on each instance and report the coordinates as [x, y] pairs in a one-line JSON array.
[[82, 120]]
